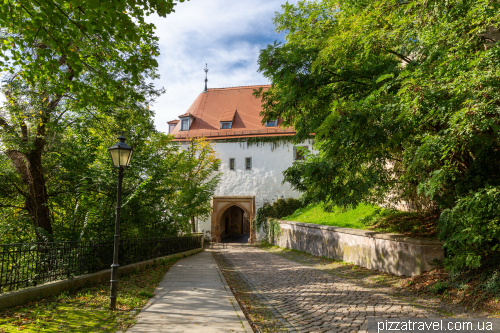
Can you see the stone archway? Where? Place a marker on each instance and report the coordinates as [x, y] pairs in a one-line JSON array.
[[221, 204]]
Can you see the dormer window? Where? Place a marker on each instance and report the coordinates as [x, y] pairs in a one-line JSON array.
[[186, 121], [272, 123], [226, 119], [171, 128], [171, 125]]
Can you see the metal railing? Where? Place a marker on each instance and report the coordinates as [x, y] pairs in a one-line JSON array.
[[30, 264]]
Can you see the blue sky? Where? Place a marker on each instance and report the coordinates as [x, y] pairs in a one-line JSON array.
[[226, 34]]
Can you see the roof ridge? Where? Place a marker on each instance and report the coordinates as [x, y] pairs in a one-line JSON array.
[[255, 85]]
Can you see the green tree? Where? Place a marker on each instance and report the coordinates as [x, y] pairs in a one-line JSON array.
[[172, 185], [402, 97], [65, 59], [163, 187]]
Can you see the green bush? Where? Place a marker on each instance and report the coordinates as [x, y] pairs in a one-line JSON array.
[[492, 283], [282, 207], [439, 287], [471, 229], [278, 209]]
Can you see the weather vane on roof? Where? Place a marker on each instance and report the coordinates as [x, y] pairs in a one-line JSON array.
[[206, 74]]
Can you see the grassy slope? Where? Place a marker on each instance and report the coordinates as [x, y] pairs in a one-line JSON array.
[[370, 217], [352, 218], [86, 310]]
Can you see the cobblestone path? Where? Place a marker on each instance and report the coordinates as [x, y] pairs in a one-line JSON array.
[[309, 300]]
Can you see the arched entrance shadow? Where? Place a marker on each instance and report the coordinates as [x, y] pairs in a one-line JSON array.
[[232, 216], [234, 224]]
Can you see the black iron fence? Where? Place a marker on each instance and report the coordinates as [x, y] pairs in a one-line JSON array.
[[30, 264]]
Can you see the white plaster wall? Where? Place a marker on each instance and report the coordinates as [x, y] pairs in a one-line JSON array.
[[264, 179]]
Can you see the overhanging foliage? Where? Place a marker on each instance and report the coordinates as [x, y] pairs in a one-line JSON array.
[[403, 97]]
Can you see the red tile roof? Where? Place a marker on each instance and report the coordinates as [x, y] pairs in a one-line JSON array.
[[187, 114], [175, 121], [221, 104], [227, 115]]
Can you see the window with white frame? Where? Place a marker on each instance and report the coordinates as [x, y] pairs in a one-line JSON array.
[[248, 163], [226, 124], [185, 124], [299, 152], [231, 164]]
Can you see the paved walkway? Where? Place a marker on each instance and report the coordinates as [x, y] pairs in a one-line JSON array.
[[192, 297], [313, 301]]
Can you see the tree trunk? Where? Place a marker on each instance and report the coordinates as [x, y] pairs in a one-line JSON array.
[[37, 202], [193, 225], [28, 165], [36, 197]]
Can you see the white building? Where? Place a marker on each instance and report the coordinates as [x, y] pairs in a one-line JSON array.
[[252, 156]]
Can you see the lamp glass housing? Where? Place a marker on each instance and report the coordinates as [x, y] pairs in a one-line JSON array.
[[120, 153]]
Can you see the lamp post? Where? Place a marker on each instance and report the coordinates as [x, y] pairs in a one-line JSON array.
[[120, 154]]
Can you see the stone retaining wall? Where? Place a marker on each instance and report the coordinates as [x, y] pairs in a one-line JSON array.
[[22, 296], [391, 253]]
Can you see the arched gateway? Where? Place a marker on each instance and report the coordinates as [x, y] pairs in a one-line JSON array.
[[252, 156], [232, 215]]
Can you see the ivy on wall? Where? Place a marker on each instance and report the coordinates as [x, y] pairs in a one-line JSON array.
[[267, 215], [275, 141]]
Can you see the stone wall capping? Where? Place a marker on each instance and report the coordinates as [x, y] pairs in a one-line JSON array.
[[371, 234], [234, 197], [18, 297], [391, 253]]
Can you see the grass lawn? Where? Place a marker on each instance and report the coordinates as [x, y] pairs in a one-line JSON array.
[[352, 218], [370, 217], [86, 310]]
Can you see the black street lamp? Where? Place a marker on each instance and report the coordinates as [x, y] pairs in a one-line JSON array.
[[120, 154]]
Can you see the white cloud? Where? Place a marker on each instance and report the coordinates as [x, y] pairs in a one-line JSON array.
[[226, 34]]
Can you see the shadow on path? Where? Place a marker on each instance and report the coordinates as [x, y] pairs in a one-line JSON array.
[[192, 297], [312, 300], [236, 238]]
